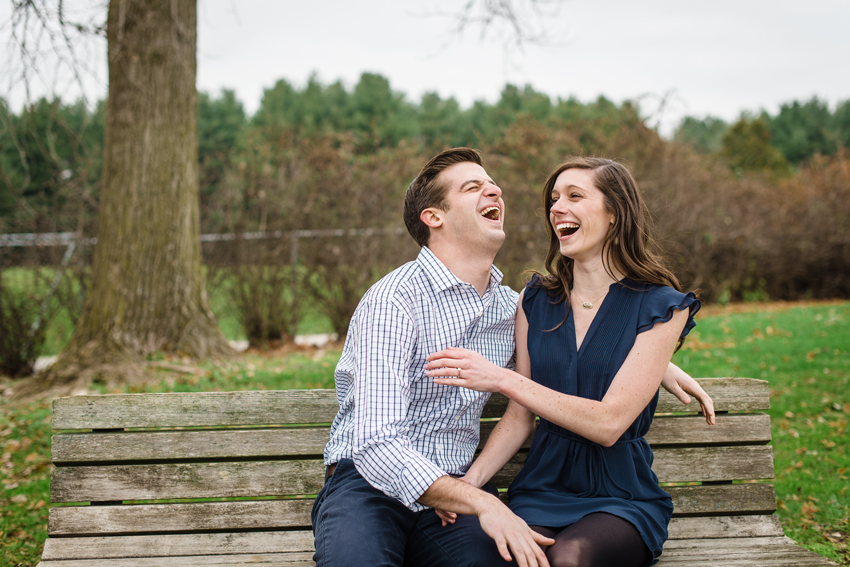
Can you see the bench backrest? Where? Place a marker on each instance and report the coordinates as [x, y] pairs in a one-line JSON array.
[[201, 467]]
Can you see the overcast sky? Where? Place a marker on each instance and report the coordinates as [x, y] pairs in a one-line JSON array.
[[718, 57]]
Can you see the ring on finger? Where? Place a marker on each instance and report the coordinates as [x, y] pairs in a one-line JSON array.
[[458, 372]]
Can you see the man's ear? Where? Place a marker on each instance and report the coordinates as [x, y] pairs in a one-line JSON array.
[[432, 217]]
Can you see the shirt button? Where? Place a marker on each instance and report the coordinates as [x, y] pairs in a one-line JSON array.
[[439, 447], [479, 314]]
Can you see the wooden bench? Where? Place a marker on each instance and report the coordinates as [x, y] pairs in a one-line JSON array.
[[227, 478]]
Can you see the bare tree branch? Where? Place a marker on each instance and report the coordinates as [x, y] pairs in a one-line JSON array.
[[516, 22], [53, 46]]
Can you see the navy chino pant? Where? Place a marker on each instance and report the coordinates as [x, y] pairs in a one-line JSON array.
[[356, 524]]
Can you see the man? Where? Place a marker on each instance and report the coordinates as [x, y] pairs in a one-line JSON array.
[[399, 441]]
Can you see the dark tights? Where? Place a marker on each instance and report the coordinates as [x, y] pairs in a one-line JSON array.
[[597, 540]]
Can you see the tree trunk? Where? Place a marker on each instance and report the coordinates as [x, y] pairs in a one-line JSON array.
[[148, 290]]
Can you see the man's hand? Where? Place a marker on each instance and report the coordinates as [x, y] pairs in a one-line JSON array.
[[509, 531]]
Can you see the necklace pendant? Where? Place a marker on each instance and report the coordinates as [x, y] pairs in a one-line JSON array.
[[587, 305]]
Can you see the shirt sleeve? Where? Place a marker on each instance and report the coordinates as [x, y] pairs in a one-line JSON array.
[[382, 451]]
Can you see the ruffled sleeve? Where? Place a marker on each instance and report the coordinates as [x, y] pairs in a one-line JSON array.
[[658, 306]]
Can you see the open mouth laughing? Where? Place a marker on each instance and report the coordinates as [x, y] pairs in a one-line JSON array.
[[491, 213], [566, 228]]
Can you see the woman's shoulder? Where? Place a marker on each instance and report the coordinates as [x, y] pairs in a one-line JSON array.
[[658, 303]]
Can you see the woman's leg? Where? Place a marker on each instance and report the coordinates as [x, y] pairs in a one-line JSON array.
[[597, 540]]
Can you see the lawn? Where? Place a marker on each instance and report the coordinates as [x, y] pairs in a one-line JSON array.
[[802, 350]]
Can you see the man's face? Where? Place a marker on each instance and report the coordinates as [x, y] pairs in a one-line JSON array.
[[476, 213]]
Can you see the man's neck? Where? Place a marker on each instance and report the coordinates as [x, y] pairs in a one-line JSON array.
[[469, 266]]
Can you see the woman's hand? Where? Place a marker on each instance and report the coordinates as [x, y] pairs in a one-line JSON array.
[[461, 367], [680, 384]]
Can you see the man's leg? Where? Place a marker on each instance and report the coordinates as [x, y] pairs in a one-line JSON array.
[[356, 524], [462, 544]]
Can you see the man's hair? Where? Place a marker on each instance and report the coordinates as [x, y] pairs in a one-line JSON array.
[[428, 191]]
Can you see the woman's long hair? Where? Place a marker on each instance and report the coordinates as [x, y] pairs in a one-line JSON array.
[[629, 245]]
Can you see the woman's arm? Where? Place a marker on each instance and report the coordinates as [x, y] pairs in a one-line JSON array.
[[600, 421], [517, 423]]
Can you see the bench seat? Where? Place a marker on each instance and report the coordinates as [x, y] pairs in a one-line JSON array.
[[228, 478]]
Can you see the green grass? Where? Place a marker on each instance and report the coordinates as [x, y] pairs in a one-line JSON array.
[[802, 351]]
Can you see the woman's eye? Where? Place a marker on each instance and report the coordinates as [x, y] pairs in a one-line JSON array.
[[575, 196]]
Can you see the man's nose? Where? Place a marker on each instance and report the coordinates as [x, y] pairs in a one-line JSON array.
[[493, 190]]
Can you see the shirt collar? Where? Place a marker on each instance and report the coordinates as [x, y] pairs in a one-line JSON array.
[[443, 278]]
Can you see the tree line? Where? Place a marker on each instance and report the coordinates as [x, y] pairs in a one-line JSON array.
[[326, 156]]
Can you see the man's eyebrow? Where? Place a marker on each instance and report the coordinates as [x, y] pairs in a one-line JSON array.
[[476, 181]]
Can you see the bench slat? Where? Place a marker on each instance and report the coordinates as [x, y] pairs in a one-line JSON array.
[[186, 480], [701, 464], [180, 517], [737, 429], [718, 500], [725, 527], [122, 411], [185, 445], [302, 541], [292, 559], [758, 498], [756, 551], [302, 441], [177, 545], [277, 478]]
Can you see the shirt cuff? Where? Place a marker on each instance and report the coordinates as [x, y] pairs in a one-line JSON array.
[[416, 478]]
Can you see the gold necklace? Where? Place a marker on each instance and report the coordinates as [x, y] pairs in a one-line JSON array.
[[589, 304]]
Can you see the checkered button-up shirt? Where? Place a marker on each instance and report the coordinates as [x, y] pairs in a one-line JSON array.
[[402, 430]]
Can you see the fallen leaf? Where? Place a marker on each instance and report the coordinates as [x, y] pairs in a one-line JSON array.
[[19, 498], [808, 509]]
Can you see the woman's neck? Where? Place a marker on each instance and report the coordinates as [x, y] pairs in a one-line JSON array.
[[591, 278]]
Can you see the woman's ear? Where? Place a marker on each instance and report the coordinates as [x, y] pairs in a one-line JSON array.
[[431, 217]]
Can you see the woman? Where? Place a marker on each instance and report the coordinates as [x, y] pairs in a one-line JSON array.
[[594, 338]]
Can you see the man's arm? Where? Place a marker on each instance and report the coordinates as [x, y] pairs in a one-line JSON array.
[[385, 340], [507, 529]]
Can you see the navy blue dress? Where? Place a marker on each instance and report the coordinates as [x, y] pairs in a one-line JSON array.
[[566, 476]]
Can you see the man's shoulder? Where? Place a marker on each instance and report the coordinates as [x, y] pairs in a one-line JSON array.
[[397, 284]]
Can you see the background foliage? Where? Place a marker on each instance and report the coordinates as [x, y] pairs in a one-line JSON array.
[[758, 209]]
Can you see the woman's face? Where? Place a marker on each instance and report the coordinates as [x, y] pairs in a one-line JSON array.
[[579, 216]]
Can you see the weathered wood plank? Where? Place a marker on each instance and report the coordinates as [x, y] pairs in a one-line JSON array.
[[179, 517], [728, 394], [279, 478], [713, 463], [275, 514], [304, 441], [756, 551], [191, 444], [759, 498], [176, 545], [291, 559], [698, 464], [725, 527], [737, 429], [185, 480], [121, 411]]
